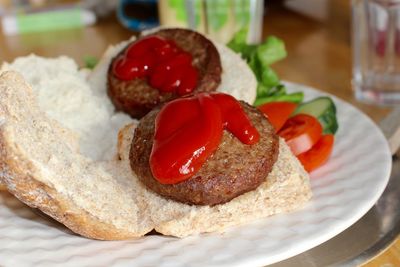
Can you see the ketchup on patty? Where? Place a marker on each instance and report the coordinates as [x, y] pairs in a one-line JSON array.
[[189, 130], [161, 62]]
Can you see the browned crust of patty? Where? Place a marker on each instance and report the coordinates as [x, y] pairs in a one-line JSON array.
[[137, 97], [233, 169]]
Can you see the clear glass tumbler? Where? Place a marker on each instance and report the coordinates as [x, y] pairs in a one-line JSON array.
[[376, 51], [219, 19]]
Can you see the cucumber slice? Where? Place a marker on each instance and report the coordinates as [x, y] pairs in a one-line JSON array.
[[324, 110]]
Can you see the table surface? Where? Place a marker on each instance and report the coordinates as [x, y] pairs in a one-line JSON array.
[[319, 55]]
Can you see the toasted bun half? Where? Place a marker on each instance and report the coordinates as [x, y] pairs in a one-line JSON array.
[[103, 199]]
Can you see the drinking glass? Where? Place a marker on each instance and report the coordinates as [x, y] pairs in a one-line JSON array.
[[376, 51], [219, 19]]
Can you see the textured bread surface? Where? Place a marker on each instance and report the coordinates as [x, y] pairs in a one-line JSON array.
[[43, 171], [62, 92], [104, 199]]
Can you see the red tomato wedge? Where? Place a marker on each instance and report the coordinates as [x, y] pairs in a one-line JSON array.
[[278, 112], [318, 154], [301, 132]]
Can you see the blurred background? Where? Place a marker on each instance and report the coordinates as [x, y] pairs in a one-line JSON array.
[[316, 32]]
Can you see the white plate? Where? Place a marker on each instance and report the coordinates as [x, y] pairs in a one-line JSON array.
[[344, 189]]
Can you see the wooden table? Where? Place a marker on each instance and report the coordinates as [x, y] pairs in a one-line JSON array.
[[319, 55]]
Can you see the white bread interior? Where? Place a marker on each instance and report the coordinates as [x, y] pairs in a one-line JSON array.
[[63, 92]]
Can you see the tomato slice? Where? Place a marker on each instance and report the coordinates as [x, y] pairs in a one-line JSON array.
[[301, 132], [278, 112], [318, 154]]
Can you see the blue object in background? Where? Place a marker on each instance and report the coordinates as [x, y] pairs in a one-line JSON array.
[[138, 15]]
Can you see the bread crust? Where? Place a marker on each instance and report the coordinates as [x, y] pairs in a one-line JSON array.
[[19, 176], [50, 202]]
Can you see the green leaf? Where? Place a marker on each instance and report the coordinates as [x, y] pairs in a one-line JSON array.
[[269, 91], [278, 90], [262, 91], [238, 43], [254, 65], [271, 51], [259, 58], [239, 38], [294, 97], [269, 78], [266, 77], [90, 61]]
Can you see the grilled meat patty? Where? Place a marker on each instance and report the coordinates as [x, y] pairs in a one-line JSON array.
[[136, 97], [233, 169]]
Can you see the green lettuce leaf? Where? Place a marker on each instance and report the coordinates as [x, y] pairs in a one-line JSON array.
[[271, 51], [90, 61], [259, 58]]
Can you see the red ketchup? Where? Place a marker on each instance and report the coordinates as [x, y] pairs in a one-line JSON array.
[[188, 130], [161, 62]]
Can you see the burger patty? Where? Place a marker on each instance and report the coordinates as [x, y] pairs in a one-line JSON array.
[[137, 97], [233, 169]]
